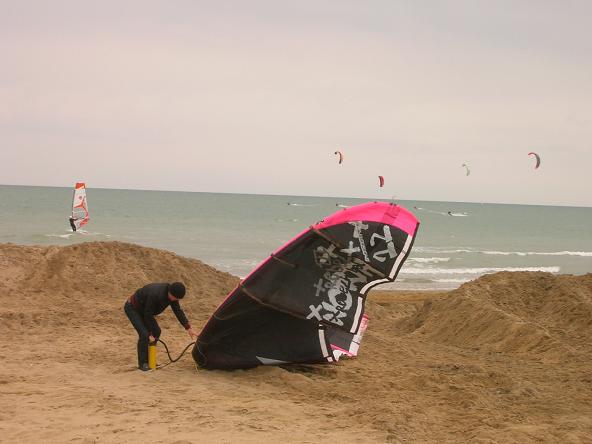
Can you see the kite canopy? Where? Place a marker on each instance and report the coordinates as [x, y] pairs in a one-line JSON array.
[[466, 166], [381, 181], [537, 157], [80, 215], [340, 156], [305, 303]]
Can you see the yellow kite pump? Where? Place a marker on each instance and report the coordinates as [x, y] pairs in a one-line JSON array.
[[152, 355]]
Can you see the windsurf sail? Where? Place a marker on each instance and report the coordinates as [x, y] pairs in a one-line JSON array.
[[305, 303], [79, 217]]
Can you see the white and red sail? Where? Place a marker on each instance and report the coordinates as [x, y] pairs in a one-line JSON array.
[[79, 216]]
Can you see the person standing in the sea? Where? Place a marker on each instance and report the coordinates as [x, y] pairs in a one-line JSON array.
[[145, 304]]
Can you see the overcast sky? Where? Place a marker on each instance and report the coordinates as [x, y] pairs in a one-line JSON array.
[[255, 97]]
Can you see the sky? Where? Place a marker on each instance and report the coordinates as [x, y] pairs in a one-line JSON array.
[[256, 96]]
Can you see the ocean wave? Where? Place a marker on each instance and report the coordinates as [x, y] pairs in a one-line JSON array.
[[76, 233], [502, 253], [480, 270], [443, 250], [434, 281], [431, 211], [415, 280], [428, 260], [540, 253], [63, 236]]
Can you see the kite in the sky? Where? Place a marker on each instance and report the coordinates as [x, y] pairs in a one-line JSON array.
[[466, 166], [537, 157], [340, 156]]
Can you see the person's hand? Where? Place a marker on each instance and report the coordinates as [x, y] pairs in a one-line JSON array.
[[192, 333], [151, 338]]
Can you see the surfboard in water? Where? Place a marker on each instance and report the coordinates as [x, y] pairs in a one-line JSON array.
[[79, 216]]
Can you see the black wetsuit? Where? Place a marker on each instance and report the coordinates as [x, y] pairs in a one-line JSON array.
[[141, 308], [72, 224]]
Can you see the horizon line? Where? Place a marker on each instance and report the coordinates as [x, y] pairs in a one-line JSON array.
[[302, 195]]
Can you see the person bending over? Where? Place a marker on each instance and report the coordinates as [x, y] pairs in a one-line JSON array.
[[145, 304]]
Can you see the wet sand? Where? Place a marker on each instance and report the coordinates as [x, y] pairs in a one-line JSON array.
[[505, 358]]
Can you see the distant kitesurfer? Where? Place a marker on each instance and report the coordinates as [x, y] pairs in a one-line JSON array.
[[148, 302], [72, 224]]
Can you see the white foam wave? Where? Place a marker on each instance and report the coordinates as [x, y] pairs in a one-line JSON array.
[[442, 213], [481, 270], [63, 236], [294, 204], [77, 233], [431, 211], [250, 262], [428, 260], [503, 253], [540, 253], [443, 250]]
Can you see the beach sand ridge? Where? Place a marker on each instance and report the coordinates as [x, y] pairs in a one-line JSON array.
[[505, 358]]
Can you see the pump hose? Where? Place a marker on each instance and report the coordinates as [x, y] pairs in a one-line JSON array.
[[171, 360]]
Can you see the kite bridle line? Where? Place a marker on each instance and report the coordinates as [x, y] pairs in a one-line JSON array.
[[171, 360]]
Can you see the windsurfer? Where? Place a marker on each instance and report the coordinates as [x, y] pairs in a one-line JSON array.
[[79, 217], [148, 302]]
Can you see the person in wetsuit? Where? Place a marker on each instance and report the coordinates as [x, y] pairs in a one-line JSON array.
[[145, 304], [72, 224]]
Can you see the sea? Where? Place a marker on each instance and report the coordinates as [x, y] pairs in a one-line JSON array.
[[456, 242]]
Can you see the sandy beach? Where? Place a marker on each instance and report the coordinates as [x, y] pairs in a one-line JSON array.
[[505, 358]]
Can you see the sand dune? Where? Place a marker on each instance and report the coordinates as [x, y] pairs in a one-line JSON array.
[[505, 358], [535, 313]]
